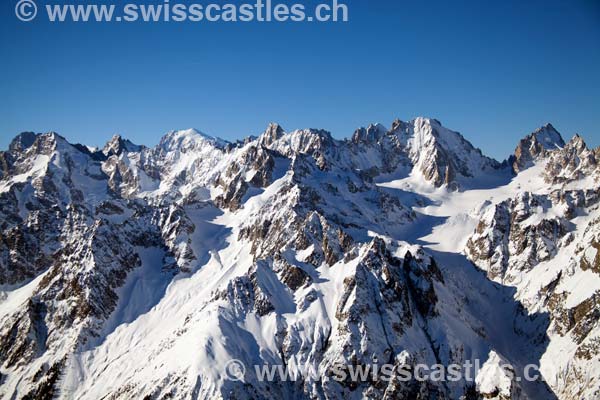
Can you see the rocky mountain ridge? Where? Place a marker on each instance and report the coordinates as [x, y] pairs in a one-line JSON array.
[[138, 272]]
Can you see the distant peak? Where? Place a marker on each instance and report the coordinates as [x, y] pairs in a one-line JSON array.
[[37, 142], [536, 145], [190, 133], [117, 145], [313, 132], [546, 127], [398, 125], [274, 126], [52, 135], [548, 137], [426, 121], [370, 134], [273, 132], [549, 126], [22, 141], [577, 142], [191, 137]]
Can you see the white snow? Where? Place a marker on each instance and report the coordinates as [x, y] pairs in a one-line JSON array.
[[494, 376]]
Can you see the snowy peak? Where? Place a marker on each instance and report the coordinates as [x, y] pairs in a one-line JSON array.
[[317, 143], [17, 147], [535, 145], [189, 139], [27, 146], [22, 142], [118, 145], [548, 137], [574, 161], [442, 156], [273, 133], [426, 132], [372, 134], [576, 143]]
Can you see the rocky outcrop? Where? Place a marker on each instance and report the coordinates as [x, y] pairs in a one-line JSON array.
[[252, 169], [544, 245], [423, 147], [574, 161], [514, 236], [370, 135], [535, 146], [117, 146]]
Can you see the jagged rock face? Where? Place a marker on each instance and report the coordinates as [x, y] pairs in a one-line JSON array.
[[423, 147], [573, 162], [135, 272], [273, 133], [371, 134], [381, 300], [535, 146], [23, 255], [544, 244], [117, 145], [254, 169], [517, 234], [439, 154]]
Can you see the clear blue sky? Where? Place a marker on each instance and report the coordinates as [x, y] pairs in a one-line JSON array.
[[493, 70]]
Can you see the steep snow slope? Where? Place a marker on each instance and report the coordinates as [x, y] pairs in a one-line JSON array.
[[536, 233]]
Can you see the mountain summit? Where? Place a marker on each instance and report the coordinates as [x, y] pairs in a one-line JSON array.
[[535, 145]]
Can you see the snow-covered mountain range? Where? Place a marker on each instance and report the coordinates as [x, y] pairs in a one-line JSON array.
[[133, 272]]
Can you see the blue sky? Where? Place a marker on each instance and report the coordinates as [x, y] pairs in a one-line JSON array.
[[492, 70]]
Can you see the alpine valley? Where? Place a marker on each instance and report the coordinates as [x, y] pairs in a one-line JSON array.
[[131, 272]]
